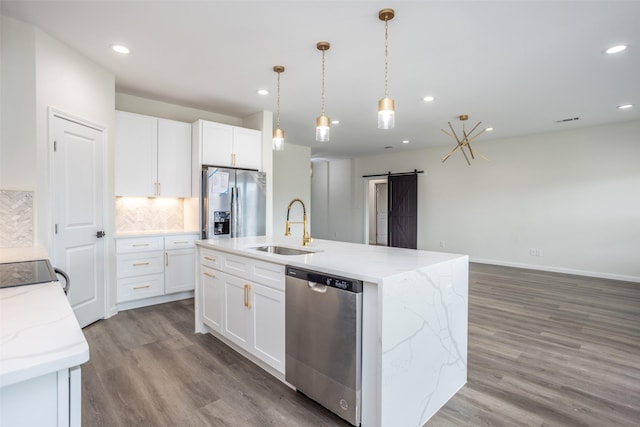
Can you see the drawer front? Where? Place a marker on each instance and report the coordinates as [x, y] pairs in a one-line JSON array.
[[210, 258], [238, 266], [254, 270], [134, 288], [180, 242], [139, 244], [269, 274], [138, 264]]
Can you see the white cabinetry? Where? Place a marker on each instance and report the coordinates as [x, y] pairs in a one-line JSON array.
[[153, 156], [225, 145], [243, 299], [154, 266]]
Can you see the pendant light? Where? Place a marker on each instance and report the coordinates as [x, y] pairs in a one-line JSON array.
[[386, 105], [278, 134], [322, 121]]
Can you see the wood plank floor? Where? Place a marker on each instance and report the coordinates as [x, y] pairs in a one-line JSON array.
[[545, 349]]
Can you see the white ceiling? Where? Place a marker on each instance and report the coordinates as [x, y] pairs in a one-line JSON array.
[[518, 66]]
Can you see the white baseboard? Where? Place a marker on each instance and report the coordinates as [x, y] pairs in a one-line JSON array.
[[154, 300], [558, 270]]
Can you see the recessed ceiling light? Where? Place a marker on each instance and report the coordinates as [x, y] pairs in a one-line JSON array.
[[615, 49], [335, 122], [121, 49], [405, 141], [263, 92], [489, 129], [624, 106], [428, 99]]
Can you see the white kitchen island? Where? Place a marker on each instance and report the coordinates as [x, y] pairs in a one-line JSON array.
[[414, 335], [41, 350]]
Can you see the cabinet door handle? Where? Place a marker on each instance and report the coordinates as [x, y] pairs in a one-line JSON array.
[[206, 273], [138, 264], [247, 299], [180, 242], [166, 259], [141, 287], [140, 244], [208, 258], [158, 193]]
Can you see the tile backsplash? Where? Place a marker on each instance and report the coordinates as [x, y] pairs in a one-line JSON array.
[[16, 219], [135, 214]]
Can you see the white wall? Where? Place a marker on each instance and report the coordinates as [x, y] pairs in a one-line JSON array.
[[572, 195], [336, 206], [18, 99], [47, 73], [291, 179]]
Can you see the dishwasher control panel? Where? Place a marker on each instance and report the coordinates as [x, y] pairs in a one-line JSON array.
[[349, 285]]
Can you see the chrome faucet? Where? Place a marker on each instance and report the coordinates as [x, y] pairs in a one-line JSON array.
[[306, 238]]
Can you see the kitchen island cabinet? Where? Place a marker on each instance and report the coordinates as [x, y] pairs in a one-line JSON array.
[[414, 316], [41, 350], [243, 303]]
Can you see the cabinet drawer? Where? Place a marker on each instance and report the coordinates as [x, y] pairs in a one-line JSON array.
[[180, 242], [210, 258], [140, 287], [139, 244], [138, 264], [266, 273]]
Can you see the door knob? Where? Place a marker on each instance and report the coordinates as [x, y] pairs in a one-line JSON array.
[[100, 234]]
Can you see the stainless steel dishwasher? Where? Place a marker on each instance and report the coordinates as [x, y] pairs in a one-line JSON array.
[[324, 340]]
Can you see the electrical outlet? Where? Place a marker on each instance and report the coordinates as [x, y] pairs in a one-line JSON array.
[[139, 215], [535, 252], [442, 243]]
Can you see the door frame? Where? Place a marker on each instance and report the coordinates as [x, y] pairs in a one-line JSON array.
[[51, 114], [369, 202]]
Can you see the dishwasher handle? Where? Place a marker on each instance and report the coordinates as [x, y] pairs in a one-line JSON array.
[[317, 287]]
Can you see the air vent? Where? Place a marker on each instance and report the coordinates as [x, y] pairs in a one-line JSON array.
[[571, 119]]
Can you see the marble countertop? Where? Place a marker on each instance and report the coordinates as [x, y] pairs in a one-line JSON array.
[[364, 262], [39, 333]]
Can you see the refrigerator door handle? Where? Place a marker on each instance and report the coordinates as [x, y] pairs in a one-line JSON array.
[[234, 212]]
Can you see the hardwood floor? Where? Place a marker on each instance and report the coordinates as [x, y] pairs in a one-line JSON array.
[[545, 349]]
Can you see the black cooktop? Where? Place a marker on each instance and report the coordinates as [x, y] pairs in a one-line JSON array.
[[26, 273]]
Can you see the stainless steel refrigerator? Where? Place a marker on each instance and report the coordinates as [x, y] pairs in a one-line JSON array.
[[233, 202]]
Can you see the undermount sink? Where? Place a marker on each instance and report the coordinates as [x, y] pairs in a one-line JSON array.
[[282, 250]]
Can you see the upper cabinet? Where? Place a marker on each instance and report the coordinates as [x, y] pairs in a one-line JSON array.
[[152, 156], [226, 145]]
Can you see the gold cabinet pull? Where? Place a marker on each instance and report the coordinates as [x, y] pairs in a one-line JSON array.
[[206, 273], [247, 299], [141, 287], [180, 242], [138, 264], [208, 258], [140, 244]]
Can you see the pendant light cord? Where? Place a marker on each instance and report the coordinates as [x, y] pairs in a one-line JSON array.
[[278, 104], [323, 81], [386, 58]]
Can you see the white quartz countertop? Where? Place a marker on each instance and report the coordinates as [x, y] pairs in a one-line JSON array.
[[149, 233], [364, 262], [39, 333]]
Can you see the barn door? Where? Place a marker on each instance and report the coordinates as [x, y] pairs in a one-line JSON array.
[[403, 211]]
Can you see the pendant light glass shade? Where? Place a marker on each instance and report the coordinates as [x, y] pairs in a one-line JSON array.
[[386, 106], [323, 124], [278, 134], [386, 113], [278, 139], [323, 128]]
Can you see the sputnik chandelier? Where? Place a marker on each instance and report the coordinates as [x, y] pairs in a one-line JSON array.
[[464, 142]]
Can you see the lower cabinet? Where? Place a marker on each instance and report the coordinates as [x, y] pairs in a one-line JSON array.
[[53, 399], [154, 266], [245, 306]]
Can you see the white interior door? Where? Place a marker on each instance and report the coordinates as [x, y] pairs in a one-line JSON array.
[[78, 215], [381, 213]]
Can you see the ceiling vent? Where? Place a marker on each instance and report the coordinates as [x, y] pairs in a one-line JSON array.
[[571, 119]]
